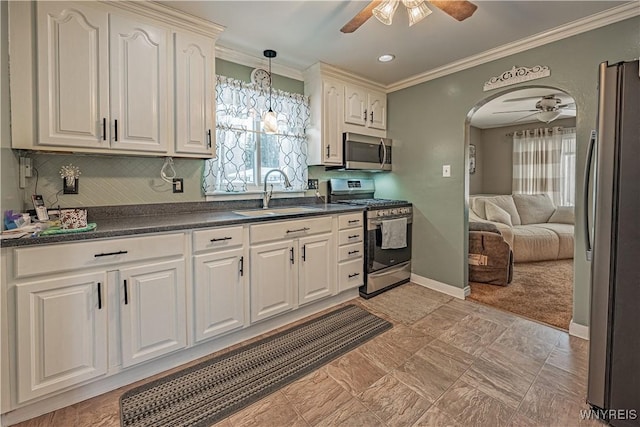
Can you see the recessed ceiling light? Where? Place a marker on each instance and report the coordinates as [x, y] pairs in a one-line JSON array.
[[386, 57]]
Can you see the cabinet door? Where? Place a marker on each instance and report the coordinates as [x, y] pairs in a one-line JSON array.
[[139, 86], [73, 79], [332, 117], [355, 99], [219, 292], [377, 114], [316, 276], [273, 272], [153, 313], [61, 333], [194, 94]]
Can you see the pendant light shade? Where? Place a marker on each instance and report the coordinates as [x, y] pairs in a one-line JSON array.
[[270, 120]]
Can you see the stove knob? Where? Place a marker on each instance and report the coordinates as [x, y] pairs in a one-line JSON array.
[[394, 211], [380, 213]]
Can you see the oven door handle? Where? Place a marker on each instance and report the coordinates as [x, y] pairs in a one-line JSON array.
[[377, 222], [390, 270]]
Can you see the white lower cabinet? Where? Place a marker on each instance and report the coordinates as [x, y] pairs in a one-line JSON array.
[[219, 292], [62, 330], [152, 310], [273, 274], [316, 268]]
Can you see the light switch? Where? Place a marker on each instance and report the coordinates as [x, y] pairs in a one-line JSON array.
[[446, 171]]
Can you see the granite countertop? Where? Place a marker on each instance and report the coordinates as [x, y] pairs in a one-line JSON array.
[[127, 221]]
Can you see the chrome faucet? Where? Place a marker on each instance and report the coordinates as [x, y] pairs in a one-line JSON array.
[[266, 197]]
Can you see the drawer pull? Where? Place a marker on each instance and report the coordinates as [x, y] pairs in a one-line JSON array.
[[126, 293], [221, 239], [241, 266], [353, 275], [352, 221], [291, 256], [352, 252], [297, 230], [353, 236], [111, 253], [99, 296]]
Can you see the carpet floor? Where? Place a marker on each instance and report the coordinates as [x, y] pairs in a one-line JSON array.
[[541, 291], [212, 390]]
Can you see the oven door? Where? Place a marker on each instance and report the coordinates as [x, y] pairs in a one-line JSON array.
[[378, 258]]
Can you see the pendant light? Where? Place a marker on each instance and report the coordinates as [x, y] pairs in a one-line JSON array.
[[270, 121]]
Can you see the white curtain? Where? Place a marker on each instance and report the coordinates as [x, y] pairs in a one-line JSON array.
[[544, 162], [244, 153]]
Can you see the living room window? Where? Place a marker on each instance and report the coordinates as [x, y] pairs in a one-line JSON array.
[[245, 153], [544, 161]]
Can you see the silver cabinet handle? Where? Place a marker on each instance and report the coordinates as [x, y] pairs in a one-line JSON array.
[[353, 275], [99, 296], [241, 266], [365, 116], [297, 230], [221, 239], [353, 221], [110, 254], [353, 236], [352, 252], [126, 293], [291, 256]]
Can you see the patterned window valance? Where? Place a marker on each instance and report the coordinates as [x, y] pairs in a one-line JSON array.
[[244, 152]]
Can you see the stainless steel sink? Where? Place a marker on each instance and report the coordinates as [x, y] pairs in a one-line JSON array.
[[277, 211]]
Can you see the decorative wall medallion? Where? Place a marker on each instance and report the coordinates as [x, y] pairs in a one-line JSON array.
[[517, 75]]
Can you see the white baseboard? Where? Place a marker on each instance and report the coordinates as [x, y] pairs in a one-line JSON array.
[[578, 330], [454, 291]]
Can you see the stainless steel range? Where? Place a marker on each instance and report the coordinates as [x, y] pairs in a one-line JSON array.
[[388, 234]]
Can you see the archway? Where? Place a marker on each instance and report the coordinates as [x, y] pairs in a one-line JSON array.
[[521, 197]]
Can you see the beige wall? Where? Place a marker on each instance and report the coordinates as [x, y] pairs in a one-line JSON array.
[[428, 125], [495, 167]]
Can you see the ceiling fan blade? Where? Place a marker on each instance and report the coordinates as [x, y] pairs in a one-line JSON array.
[[362, 17], [569, 106], [523, 118], [458, 9]]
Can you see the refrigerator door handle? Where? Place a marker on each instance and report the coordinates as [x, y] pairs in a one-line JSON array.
[[585, 194]]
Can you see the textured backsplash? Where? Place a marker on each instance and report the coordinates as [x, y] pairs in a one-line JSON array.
[[111, 180]]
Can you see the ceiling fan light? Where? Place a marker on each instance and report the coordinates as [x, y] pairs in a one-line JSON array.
[[418, 13], [385, 10], [547, 116]]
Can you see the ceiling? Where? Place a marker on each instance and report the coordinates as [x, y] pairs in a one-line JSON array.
[[305, 32], [513, 108]]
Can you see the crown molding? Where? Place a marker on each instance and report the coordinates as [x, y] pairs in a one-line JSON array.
[[237, 57], [169, 16], [611, 16], [327, 70]]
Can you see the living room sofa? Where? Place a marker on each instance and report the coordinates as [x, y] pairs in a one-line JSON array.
[[535, 228]]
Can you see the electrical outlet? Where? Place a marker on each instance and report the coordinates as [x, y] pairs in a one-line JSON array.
[[26, 168], [312, 184], [446, 171], [178, 185]]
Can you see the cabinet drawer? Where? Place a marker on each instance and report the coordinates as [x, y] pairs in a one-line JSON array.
[[70, 256], [289, 229], [351, 220], [348, 252], [350, 274], [217, 238], [352, 235]]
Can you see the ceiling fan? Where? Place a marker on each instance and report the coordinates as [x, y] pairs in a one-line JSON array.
[[547, 109], [458, 9]]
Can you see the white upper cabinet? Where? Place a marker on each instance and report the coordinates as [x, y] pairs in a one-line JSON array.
[[338, 105], [194, 63], [139, 85], [112, 77], [365, 107], [73, 76], [355, 101]]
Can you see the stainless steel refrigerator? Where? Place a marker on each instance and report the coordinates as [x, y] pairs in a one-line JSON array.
[[613, 245]]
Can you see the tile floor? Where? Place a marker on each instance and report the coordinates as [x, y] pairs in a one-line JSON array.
[[446, 362]]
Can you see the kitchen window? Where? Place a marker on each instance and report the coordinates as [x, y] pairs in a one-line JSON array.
[[244, 153]]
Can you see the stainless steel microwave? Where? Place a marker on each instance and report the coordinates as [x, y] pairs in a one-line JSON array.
[[363, 152]]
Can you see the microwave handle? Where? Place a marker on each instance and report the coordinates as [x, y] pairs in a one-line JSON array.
[[384, 153]]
